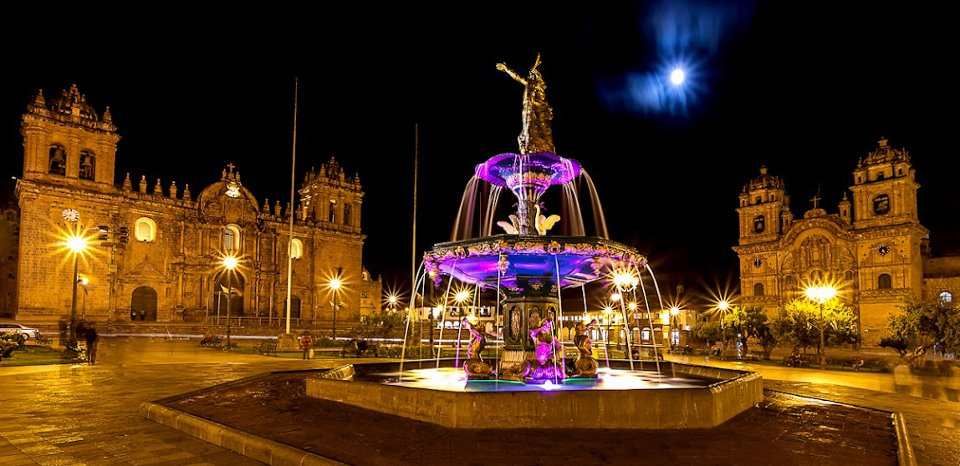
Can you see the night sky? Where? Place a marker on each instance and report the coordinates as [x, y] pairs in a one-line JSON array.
[[803, 87]]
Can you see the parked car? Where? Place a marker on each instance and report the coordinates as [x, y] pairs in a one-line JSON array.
[[13, 328]]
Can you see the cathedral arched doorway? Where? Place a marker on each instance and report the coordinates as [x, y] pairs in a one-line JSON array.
[[143, 304], [228, 288]]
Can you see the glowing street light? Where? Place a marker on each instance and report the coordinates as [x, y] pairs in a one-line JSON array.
[[229, 263], [75, 244], [335, 284], [625, 280], [820, 294], [462, 295], [392, 300], [677, 76], [616, 297]]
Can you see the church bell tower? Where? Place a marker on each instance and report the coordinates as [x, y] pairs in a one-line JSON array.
[[764, 210], [66, 141], [884, 188]]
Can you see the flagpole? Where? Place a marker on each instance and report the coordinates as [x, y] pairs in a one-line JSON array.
[[293, 167]]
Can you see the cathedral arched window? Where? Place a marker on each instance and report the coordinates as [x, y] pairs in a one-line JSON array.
[[759, 224], [758, 289], [881, 204], [57, 160], [880, 176], [945, 298], [332, 211], [231, 239], [347, 214], [884, 281], [296, 249], [88, 165], [145, 230]]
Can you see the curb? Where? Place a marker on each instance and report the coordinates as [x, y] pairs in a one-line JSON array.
[[905, 456], [253, 447]]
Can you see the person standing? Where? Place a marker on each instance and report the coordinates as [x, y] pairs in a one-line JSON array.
[[92, 340], [306, 343]]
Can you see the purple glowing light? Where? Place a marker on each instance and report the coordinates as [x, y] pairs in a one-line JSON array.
[[540, 170]]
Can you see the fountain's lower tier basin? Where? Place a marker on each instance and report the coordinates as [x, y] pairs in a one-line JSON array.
[[724, 394]]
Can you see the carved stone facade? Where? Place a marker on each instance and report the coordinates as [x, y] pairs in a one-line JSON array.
[[874, 247], [160, 257]]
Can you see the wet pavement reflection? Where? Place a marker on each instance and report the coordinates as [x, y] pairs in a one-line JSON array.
[[79, 414]]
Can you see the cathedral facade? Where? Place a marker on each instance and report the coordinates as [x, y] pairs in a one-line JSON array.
[[155, 251], [873, 247]]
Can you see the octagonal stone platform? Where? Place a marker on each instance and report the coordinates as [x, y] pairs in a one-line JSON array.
[[727, 394]]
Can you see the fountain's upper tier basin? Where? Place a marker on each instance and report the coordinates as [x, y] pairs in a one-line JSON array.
[[538, 170], [515, 260]]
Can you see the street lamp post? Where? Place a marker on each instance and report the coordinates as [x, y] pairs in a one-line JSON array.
[[723, 306], [821, 294], [335, 284], [229, 264], [76, 243], [674, 313]]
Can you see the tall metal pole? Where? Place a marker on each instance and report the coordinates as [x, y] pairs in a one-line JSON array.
[[413, 241], [229, 293], [823, 358], [293, 167], [73, 307]]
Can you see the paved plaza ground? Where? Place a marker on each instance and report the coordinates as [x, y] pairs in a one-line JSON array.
[[78, 414]]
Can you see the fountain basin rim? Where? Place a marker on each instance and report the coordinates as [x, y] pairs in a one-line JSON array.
[[581, 259], [564, 169]]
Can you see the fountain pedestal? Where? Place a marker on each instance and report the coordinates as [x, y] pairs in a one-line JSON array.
[[524, 359]]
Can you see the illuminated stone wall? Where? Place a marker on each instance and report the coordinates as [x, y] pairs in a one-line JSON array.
[[873, 240], [177, 254]]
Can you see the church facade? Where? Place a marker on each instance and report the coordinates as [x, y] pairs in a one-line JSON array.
[[873, 247], [155, 251]]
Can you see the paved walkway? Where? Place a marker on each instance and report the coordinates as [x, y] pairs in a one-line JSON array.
[[928, 404], [933, 425], [900, 381], [79, 414]]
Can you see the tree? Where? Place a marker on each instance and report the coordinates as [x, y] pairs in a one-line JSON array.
[[707, 330], [799, 323], [744, 324], [922, 326]]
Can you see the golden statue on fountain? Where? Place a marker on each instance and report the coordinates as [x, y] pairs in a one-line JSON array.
[[536, 135]]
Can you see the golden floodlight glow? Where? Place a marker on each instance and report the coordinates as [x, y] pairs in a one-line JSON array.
[[674, 310], [723, 305], [462, 296], [632, 306], [335, 283], [616, 297], [820, 294], [624, 279], [76, 243], [230, 262], [392, 299]]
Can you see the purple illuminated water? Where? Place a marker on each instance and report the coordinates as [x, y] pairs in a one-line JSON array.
[[452, 379]]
